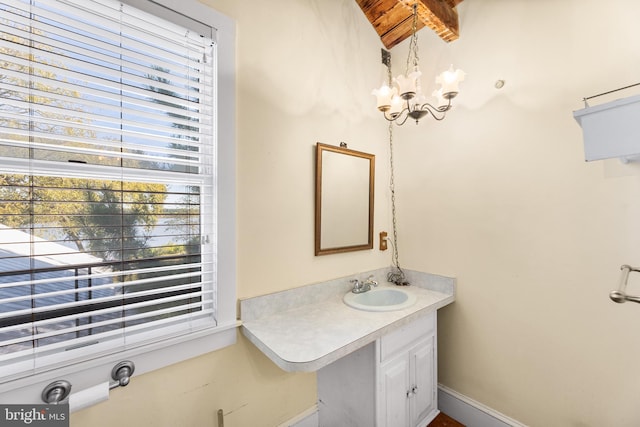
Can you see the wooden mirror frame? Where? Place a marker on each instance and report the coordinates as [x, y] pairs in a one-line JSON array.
[[356, 246]]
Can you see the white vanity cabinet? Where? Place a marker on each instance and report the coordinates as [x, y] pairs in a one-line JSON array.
[[407, 386], [389, 383]]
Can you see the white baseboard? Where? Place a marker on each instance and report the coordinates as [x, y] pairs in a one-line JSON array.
[[458, 406], [469, 412], [308, 418]]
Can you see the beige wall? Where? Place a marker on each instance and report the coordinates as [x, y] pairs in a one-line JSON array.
[[497, 195], [500, 197], [305, 71]]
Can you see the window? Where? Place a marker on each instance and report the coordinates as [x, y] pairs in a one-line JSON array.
[[109, 195]]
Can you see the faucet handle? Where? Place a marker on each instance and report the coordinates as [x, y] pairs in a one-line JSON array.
[[370, 281]]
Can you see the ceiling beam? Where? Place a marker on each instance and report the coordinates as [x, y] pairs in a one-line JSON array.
[[392, 19]]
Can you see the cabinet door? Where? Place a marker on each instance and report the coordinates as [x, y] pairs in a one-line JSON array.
[[393, 399], [423, 380]]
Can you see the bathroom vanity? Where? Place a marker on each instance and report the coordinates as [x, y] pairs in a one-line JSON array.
[[390, 382], [375, 368]]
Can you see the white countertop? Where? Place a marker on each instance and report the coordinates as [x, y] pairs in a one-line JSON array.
[[307, 328]]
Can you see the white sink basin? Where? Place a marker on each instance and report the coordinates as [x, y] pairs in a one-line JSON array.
[[380, 299]]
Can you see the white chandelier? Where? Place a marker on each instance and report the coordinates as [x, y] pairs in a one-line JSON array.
[[405, 99]]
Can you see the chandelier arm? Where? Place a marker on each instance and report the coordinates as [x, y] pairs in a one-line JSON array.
[[433, 110], [433, 114], [388, 118], [405, 111], [406, 116]]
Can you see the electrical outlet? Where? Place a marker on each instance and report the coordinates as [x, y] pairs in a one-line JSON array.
[[383, 240]]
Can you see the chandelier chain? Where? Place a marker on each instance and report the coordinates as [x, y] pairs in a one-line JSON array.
[[392, 188], [413, 42], [397, 276]]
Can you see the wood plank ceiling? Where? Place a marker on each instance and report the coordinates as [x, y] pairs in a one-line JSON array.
[[392, 19]]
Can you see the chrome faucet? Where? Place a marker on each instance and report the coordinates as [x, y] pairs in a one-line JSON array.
[[360, 287]]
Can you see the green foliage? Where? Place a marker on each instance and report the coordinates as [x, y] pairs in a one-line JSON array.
[[108, 218]]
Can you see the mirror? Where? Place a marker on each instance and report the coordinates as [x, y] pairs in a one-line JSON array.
[[344, 200]]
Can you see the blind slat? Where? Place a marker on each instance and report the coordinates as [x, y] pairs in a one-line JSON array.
[[102, 153], [86, 289], [104, 300], [53, 169], [106, 275]]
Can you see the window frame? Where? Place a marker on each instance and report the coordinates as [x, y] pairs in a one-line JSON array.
[[157, 355]]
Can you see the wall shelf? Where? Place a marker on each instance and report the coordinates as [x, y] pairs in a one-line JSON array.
[[611, 130]]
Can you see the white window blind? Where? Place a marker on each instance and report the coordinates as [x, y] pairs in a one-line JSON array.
[[107, 181]]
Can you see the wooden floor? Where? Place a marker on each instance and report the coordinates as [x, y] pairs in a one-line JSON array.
[[443, 420]]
